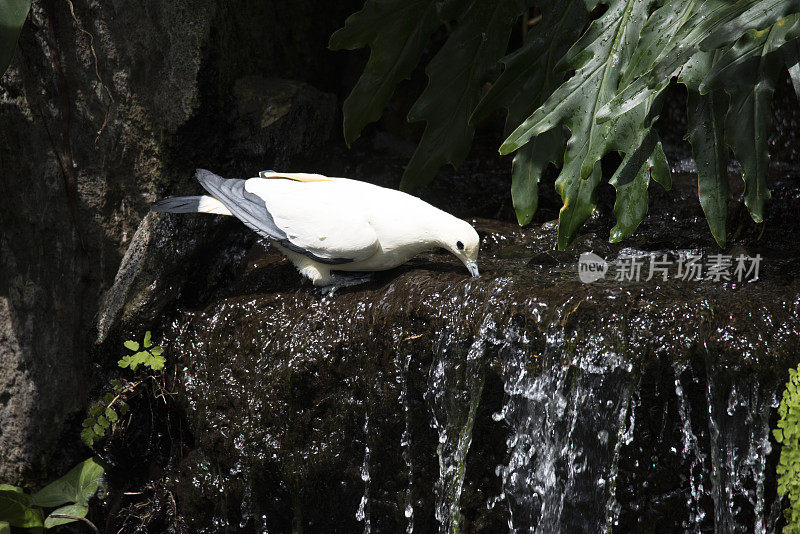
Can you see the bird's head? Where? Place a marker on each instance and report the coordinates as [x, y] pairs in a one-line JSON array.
[[461, 239]]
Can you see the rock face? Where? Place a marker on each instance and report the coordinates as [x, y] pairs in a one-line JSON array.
[[104, 104]]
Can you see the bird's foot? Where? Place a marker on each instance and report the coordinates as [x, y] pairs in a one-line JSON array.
[[338, 281], [351, 279]]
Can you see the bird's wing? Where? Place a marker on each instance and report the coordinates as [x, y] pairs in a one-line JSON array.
[[323, 217], [298, 217]]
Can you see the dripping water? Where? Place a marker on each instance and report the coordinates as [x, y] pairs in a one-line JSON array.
[[362, 514]]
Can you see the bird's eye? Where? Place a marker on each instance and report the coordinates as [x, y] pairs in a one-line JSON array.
[[460, 245]]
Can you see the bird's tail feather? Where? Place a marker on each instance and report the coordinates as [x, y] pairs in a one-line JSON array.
[[192, 204]]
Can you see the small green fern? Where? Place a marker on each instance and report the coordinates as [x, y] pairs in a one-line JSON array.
[[150, 355], [788, 435], [103, 415]]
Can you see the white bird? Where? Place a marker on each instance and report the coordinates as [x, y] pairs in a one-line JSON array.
[[323, 224]]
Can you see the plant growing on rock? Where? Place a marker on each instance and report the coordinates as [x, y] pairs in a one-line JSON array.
[[69, 495], [104, 415], [788, 435], [598, 68]]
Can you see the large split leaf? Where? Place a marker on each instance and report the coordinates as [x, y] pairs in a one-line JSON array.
[[529, 77], [12, 16], [748, 71], [632, 180], [456, 76], [706, 133], [678, 35], [599, 56], [396, 32]]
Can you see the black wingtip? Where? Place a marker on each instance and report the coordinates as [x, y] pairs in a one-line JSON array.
[[176, 205]]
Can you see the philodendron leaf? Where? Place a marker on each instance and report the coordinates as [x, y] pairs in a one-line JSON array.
[[747, 71], [12, 16], [16, 510], [632, 180], [396, 32], [529, 163], [77, 486], [74, 510], [456, 76], [599, 56], [530, 75], [706, 134], [709, 25]]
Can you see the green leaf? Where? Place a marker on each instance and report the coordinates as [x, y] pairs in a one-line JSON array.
[[5, 528], [750, 116], [103, 422], [131, 344], [678, 35], [527, 168], [598, 58], [94, 411], [75, 510], [147, 338], [16, 510], [632, 179], [12, 17], [88, 422], [528, 78], [530, 73], [111, 415], [134, 360], [156, 363], [396, 32], [456, 76], [87, 436], [99, 431], [157, 351], [707, 136], [77, 486]]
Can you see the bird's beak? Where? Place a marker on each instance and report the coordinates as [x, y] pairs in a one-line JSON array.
[[473, 268]]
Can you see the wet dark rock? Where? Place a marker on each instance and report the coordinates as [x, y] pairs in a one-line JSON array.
[[277, 119]]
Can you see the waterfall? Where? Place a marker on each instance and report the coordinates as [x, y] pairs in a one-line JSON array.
[[362, 513], [567, 421], [454, 391], [405, 442]]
